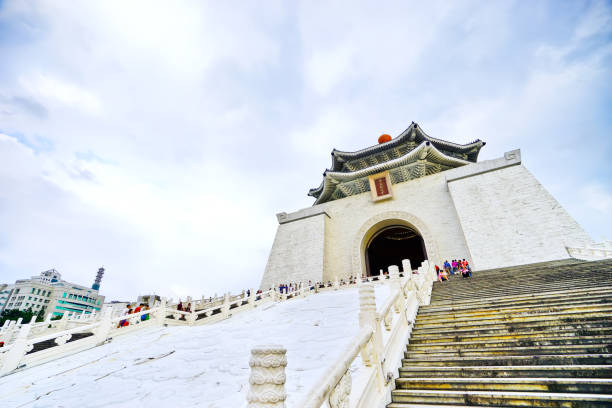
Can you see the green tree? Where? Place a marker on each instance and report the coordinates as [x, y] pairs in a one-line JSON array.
[[14, 314], [40, 316]]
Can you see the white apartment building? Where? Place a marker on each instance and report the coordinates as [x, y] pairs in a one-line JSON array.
[[50, 292]]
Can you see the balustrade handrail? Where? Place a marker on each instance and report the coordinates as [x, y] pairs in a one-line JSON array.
[[54, 335], [389, 304], [334, 374], [138, 314], [411, 291]]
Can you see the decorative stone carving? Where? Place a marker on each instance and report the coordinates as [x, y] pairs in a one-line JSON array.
[[61, 340], [367, 354], [407, 268], [387, 319], [191, 318], [267, 379], [340, 395], [367, 306]]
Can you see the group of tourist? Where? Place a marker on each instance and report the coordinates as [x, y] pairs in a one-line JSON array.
[[182, 308], [456, 266], [288, 288], [129, 310], [293, 287]]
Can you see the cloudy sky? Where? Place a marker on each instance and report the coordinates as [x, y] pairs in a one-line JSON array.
[[159, 139]]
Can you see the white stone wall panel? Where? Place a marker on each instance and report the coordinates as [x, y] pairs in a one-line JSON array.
[[508, 218]]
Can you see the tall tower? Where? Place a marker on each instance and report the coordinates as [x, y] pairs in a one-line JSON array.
[[96, 285]]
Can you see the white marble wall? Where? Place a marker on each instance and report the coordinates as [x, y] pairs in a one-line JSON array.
[[509, 218], [297, 252]]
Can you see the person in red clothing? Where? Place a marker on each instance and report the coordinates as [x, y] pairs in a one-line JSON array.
[[124, 323]]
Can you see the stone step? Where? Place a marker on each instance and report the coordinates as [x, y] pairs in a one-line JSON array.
[[506, 398], [483, 310], [549, 277], [516, 371], [525, 271], [517, 335], [590, 318], [569, 264], [535, 335], [510, 360], [477, 301], [512, 328], [406, 405], [552, 340], [474, 294], [483, 294], [565, 385], [475, 311], [504, 351], [457, 284]]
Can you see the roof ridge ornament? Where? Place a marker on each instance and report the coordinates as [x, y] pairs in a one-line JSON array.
[[384, 138]]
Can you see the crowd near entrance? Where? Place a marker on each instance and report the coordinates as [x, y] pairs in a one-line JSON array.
[[392, 244]]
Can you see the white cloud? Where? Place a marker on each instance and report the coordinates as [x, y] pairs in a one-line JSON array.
[[598, 198], [165, 135], [51, 90]]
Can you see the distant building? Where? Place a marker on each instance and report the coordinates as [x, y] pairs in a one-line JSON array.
[[148, 300], [117, 306], [50, 292]]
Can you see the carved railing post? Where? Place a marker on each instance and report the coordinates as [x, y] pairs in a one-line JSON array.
[[336, 284], [267, 379], [105, 325], [9, 333], [367, 306], [407, 268], [17, 351], [339, 397], [226, 305], [394, 278], [160, 315], [371, 352], [367, 314], [63, 322], [192, 316]]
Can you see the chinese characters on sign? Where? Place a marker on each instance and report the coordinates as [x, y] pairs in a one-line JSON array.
[[380, 186]]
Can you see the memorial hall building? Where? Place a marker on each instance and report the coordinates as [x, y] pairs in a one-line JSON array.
[[417, 197]]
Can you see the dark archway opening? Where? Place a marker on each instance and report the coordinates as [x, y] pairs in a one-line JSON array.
[[392, 244]]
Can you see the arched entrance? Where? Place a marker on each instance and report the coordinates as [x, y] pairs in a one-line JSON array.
[[390, 245], [371, 227]]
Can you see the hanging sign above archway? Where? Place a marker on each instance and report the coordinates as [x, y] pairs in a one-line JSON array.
[[380, 186]]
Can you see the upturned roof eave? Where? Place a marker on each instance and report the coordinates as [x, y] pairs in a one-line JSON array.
[[331, 178], [413, 155], [339, 157]]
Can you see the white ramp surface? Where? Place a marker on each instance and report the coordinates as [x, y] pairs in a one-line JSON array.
[[201, 366]]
